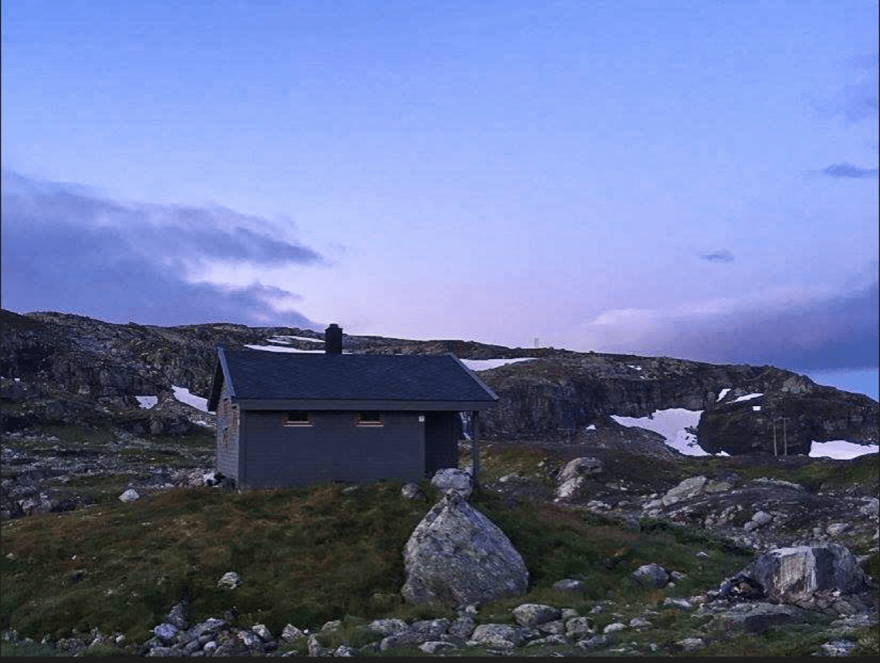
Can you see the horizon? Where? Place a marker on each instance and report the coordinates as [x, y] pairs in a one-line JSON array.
[[681, 179]]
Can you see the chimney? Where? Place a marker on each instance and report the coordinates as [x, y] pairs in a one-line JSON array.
[[333, 339]]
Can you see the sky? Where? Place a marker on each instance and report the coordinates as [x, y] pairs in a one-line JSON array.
[[688, 179]]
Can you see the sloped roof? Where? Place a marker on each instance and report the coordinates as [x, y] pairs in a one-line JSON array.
[[255, 375]]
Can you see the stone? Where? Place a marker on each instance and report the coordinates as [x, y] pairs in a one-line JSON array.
[[291, 633], [570, 585], [681, 604], [614, 628], [206, 628], [343, 651], [691, 644], [456, 555], [129, 495], [569, 613], [594, 643], [332, 625], [687, 488], [462, 627], [871, 507], [419, 632], [177, 617], [790, 575], [568, 489], [167, 633], [579, 467], [249, 639], [651, 575], [756, 617], [533, 614], [387, 626], [230, 580], [433, 646], [453, 479], [639, 623], [837, 648], [263, 632], [578, 628], [411, 491], [761, 518], [497, 635], [315, 647]]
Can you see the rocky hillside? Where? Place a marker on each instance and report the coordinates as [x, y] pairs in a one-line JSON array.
[[70, 369]]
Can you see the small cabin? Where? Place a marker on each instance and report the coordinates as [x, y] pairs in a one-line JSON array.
[[293, 419]]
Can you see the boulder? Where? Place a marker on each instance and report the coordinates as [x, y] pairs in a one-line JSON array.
[[498, 635], [756, 617], [579, 467], [651, 575], [129, 495], [532, 614], [687, 488], [291, 633], [386, 626], [456, 555], [166, 633], [790, 575], [570, 585], [230, 580], [449, 478], [569, 489], [578, 628], [411, 491]]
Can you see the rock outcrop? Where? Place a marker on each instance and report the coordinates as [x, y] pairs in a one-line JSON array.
[[456, 555]]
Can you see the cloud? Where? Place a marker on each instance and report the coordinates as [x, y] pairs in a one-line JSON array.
[[68, 249], [848, 170], [718, 256], [782, 327]]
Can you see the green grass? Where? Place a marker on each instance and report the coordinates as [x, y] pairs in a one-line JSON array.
[[16, 649]]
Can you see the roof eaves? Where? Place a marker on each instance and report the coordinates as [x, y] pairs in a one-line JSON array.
[[489, 391]]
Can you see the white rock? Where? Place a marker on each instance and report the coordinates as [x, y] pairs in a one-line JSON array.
[[230, 580], [613, 628], [129, 495]]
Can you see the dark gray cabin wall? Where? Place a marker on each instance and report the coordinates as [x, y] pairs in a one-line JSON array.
[[441, 440], [227, 436], [333, 448]]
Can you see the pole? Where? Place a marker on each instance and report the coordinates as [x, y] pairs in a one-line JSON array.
[[775, 452], [475, 444], [784, 436]]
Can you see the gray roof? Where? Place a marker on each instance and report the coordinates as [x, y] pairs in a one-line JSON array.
[[256, 375]]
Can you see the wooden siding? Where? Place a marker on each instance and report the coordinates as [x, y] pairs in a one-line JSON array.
[[333, 448], [441, 440], [228, 428]]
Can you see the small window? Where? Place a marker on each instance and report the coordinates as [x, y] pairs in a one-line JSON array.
[[370, 419], [298, 418]]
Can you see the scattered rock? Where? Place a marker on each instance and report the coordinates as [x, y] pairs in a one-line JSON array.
[[836, 648], [453, 479], [263, 632], [457, 555], [691, 644], [578, 628], [533, 614], [687, 488], [411, 491], [433, 646], [681, 604], [386, 626], [230, 580], [651, 575], [167, 633], [129, 495], [291, 633], [789, 575], [580, 467], [177, 617], [614, 628], [500, 635]]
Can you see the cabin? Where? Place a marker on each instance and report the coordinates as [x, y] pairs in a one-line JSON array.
[[293, 419]]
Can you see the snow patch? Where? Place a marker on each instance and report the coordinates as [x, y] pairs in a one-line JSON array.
[[288, 339], [146, 402], [723, 454], [486, 364], [747, 397], [635, 368], [183, 395], [841, 449], [723, 393], [756, 408], [591, 427], [671, 424], [280, 348]]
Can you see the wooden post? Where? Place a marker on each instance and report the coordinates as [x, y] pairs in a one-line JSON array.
[[775, 453], [475, 444], [784, 436]]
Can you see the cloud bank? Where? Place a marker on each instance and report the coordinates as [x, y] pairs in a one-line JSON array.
[[848, 170], [67, 249], [786, 328]]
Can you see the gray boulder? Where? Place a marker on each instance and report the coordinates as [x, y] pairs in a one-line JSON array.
[[579, 467], [411, 491], [498, 635], [129, 495], [456, 555], [291, 633], [166, 633], [790, 575], [386, 626], [687, 488], [230, 580], [450, 478], [756, 617], [651, 575], [532, 614]]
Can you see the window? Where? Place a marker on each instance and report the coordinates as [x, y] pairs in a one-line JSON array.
[[369, 419], [298, 418]]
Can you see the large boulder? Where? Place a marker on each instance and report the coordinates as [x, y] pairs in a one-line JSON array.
[[687, 488], [456, 555], [582, 466], [791, 575], [450, 478]]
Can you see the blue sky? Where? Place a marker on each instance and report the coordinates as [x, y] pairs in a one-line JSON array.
[[693, 179]]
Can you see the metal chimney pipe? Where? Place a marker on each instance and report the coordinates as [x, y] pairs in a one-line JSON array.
[[333, 339]]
